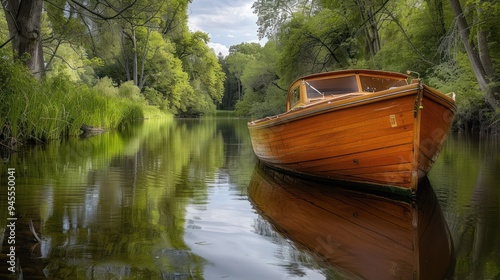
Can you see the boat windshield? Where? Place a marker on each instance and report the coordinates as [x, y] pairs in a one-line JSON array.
[[324, 87], [373, 84]]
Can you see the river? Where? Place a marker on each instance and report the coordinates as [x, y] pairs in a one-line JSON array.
[[187, 199]]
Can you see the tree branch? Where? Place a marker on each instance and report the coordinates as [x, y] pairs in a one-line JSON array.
[[118, 13], [6, 42], [395, 20]]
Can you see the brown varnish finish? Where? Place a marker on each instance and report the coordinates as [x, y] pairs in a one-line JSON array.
[[362, 236], [357, 136]]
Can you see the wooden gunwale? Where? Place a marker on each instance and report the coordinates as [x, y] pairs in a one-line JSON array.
[[324, 106], [440, 98]]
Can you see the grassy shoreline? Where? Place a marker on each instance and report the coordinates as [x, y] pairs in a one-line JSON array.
[[37, 111]]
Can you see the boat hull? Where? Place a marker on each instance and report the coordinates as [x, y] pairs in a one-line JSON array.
[[370, 140]]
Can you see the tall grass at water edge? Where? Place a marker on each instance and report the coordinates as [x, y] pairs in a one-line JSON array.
[[32, 110]]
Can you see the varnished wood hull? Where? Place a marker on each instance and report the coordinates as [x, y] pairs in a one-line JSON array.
[[362, 236], [370, 139]]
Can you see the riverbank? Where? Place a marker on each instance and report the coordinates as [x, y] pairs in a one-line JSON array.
[[37, 111]]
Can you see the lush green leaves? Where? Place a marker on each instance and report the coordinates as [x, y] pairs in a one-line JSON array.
[[263, 94], [106, 62], [422, 36], [145, 42]]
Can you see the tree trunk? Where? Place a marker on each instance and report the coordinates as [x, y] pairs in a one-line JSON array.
[[482, 44], [126, 66], [437, 14], [440, 15], [24, 20], [239, 89], [367, 14], [142, 77], [490, 95], [134, 56], [373, 32]]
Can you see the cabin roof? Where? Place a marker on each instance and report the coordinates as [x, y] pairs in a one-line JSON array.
[[352, 71], [344, 82]]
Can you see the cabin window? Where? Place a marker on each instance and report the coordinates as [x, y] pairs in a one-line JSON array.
[[373, 84], [324, 87], [295, 97]]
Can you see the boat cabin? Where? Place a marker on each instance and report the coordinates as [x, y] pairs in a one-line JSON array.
[[339, 85]]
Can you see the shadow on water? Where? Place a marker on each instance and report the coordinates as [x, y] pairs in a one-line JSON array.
[[361, 236]]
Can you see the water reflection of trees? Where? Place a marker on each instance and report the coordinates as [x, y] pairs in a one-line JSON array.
[[113, 206], [467, 176]]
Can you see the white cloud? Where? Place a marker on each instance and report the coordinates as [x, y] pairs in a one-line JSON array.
[[227, 22], [219, 48]]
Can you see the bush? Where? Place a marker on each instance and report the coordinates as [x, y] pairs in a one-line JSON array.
[[32, 110], [106, 86], [17, 88], [130, 91], [472, 111]]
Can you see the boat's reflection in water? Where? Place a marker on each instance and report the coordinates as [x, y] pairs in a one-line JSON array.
[[360, 235]]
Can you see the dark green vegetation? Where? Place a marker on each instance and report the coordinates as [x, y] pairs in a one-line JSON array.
[[450, 52], [105, 63], [65, 63], [37, 111]]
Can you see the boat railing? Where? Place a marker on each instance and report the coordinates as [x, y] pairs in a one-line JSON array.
[[329, 99], [267, 118], [452, 95]]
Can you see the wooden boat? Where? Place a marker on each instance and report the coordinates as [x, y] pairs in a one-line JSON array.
[[358, 235], [371, 127]]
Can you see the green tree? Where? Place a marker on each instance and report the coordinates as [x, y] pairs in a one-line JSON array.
[[152, 46], [239, 56], [24, 20], [318, 36], [478, 49], [205, 73], [264, 94], [167, 76], [231, 86], [316, 44], [271, 14], [237, 63]]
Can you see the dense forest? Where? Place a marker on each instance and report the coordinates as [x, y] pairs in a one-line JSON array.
[[100, 63], [453, 46], [105, 63]]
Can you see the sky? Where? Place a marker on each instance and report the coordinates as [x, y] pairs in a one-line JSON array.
[[228, 22]]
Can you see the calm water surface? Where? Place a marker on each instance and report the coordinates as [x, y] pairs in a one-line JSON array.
[[186, 199]]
